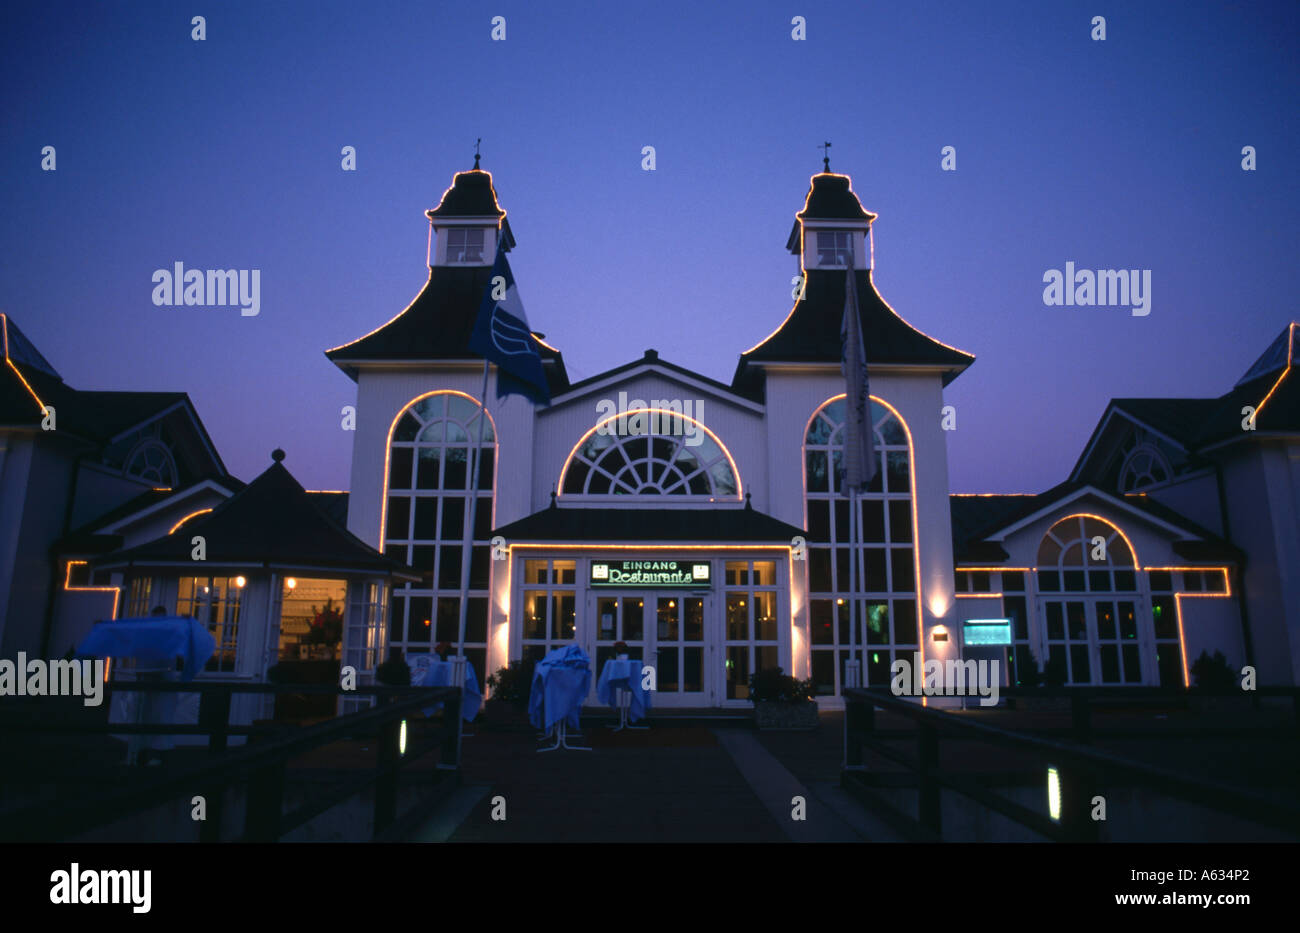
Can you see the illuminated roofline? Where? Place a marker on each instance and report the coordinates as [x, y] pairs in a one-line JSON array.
[[194, 514], [4, 326]]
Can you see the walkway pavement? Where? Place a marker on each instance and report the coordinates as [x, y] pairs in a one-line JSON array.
[[672, 783]]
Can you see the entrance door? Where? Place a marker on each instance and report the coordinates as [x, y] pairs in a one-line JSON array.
[[1096, 641], [681, 651], [665, 630]]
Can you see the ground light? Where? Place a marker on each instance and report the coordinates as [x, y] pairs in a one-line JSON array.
[[401, 739], [1054, 794]]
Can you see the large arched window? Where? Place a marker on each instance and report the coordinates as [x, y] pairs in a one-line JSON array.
[[1089, 603], [434, 441], [880, 572], [650, 453]]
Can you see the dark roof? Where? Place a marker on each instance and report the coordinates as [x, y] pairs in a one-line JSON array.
[[471, 195], [975, 518], [651, 357], [272, 521], [1282, 352], [333, 504], [831, 197], [145, 499], [1200, 422], [437, 326], [1178, 418], [91, 415], [684, 525], [812, 332]]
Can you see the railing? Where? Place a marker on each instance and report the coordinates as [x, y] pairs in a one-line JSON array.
[[1082, 772], [260, 768]]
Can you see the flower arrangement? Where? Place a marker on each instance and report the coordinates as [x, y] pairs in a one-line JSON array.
[[442, 649], [326, 626], [620, 647]]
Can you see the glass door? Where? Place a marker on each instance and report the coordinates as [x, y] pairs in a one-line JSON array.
[[616, 619], [679, 650]]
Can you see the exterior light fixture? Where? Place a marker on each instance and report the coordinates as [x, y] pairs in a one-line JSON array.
[[1054, 794], [939, 633], [240, 582], [401, 739], [291, 583]]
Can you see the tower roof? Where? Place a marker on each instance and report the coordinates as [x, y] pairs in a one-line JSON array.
[[471, 195], [830, 197]]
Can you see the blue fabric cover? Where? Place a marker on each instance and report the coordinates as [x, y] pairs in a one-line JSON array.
[[154, 641], [561, 682]]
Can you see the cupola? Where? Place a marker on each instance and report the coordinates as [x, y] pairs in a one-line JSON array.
[[832, 228], [463, 228]]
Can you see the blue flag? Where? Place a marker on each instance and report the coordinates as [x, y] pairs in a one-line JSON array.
[[859, 432], [502, 336]]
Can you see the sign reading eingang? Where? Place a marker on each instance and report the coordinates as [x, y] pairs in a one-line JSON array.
[[649, 573]]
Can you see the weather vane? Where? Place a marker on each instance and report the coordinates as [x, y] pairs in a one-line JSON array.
[[476, 144], [826, 155]]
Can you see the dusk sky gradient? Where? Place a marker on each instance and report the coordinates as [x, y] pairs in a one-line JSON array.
[[226, 154]]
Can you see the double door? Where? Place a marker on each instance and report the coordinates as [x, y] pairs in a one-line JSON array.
[[667, 631], [1097, 640]]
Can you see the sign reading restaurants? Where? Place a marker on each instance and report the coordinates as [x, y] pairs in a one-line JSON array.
[[648, 573]]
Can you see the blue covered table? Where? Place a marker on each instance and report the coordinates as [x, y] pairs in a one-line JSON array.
[[620, 679], [561, 681], [428, 671], [154, 642]]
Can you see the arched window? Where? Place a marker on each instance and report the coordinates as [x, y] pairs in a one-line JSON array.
[[151, 460], [880, 572], [434, 441], [1144, 466], [650, 453], [1092, 626]]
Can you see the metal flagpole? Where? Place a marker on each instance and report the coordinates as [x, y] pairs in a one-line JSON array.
[[475, 459]]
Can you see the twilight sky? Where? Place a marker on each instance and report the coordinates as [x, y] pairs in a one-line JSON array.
[[225, 153]]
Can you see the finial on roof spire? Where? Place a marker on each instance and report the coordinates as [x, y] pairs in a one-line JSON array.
[[277, 455], [476, 143], [826, 156]]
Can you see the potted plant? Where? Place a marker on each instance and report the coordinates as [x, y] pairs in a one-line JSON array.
[[509, 689], [1048, 679], [782, 702], [1216, 685], [394, 672], [442, 649], [620, 650]]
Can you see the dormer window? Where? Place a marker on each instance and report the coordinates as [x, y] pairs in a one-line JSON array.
[[464, 244], [834, 247]]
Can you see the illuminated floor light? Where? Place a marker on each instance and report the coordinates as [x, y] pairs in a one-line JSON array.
[[1054, 794], [401, 739]]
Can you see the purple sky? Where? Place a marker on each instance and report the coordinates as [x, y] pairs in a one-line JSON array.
[[225, 154]]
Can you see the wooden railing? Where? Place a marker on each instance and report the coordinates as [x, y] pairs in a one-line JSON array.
[[259, 768], [1083, 772]]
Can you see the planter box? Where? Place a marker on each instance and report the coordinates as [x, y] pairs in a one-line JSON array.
[[785, 717]]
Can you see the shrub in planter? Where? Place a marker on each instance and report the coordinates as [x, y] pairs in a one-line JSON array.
[[514, 683], [781, 701], [1213, 674], [394, 672]]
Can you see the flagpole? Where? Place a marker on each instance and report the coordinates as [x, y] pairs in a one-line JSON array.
[[475, 459]]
